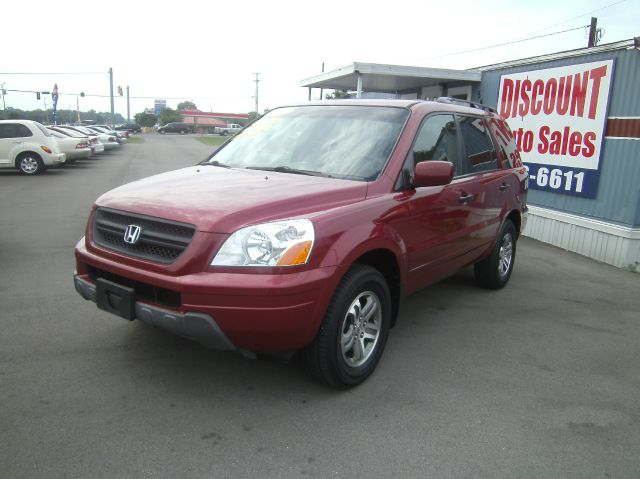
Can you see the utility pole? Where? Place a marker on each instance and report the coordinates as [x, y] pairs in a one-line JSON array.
[[4, 107], [321, 88], [111, 90], [593, 33], [128, 106], [256, 97]]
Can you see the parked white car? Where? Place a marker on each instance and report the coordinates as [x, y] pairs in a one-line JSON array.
[[94, 143], [109, 142], [230, 129], [28, 146], [120, 137], [74, 148]]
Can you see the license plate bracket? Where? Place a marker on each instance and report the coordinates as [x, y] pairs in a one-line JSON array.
[[116, 299]]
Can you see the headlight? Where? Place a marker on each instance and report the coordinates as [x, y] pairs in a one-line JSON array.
[[281, 243]]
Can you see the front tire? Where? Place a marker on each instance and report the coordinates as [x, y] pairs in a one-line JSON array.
[[29, 164], [494, 272], [354, 330]]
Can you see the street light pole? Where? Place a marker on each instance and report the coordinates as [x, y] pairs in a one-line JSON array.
[[257, 81], [111, 90]]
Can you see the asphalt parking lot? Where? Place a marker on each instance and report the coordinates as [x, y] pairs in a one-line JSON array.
[[539, 380]]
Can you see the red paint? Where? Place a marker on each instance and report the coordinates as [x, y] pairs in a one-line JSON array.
[[428, 231]]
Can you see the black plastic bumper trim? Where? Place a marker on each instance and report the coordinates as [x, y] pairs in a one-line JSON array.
[[198, 327]]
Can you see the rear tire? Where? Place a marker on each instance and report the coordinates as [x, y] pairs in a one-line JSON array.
[[494, 272], [29, 164], [354, 331]]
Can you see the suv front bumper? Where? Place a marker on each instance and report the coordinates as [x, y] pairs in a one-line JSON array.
[[222, 310], [196, 326]]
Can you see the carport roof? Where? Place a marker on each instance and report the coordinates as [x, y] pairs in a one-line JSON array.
[[388, 78]]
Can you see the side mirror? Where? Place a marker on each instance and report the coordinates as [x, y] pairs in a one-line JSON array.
[[433, 173]]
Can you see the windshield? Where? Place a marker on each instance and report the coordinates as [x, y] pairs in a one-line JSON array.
[[352, 142]]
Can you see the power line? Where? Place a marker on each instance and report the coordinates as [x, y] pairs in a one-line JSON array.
[[576, 17], [503, 44], [53, 73], [89, 95]]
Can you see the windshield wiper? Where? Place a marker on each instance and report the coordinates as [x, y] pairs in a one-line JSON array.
[[287, 169], [215, 163]]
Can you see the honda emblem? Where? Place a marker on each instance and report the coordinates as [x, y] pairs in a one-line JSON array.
[[132, 234]]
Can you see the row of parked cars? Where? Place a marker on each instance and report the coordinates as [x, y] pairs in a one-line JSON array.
[[31, 147]]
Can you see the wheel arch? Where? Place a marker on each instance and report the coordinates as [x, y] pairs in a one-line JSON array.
[[516, 218], [24, 153], [385, 261]]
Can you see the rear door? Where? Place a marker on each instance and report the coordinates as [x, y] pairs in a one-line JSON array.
[[485, 183], [12, 136], [6, 142]]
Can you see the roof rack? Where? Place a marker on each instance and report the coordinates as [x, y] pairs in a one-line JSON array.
[[448, 99]]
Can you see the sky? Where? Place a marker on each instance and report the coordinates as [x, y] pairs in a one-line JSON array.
[[207, 52]]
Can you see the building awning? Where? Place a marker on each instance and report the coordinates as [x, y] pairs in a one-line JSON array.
[[376, 77]]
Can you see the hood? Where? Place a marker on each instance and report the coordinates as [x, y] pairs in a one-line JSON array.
[[221, 200]]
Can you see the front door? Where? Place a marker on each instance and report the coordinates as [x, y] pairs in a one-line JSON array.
[[435, 226], [7, 142]]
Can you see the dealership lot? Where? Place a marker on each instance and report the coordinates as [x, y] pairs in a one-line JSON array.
[[540, 379]]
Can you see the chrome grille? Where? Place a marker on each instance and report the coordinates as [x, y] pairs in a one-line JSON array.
[[160, 240]]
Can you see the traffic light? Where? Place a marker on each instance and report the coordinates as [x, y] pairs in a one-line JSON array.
[[81, 93], [38, 95], [119, 90]]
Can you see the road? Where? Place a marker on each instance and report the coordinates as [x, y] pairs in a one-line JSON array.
[[539, 380]]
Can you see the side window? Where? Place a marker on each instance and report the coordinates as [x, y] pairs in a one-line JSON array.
[[437, 140], [480, 153], [6, 130], [14, 130], [22, 131], [507, 149]]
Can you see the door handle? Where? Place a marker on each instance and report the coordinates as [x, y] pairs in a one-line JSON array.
[[504, 186], [466, 199], [17, 141]]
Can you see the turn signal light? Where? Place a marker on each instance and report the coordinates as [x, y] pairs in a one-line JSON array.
[[47, 149], [297, 254]]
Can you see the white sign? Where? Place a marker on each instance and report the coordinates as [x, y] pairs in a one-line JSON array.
[[558, 118]]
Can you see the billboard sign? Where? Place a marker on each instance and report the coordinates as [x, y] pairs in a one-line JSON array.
[[558, 117], [159, 105]]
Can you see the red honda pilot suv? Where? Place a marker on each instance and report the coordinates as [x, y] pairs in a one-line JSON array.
[[306, 230]]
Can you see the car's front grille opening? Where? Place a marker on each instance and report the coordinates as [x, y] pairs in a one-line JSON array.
[[157, 239], [143, 291]]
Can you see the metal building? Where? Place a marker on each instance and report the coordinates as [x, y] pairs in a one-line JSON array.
[[576, 119]]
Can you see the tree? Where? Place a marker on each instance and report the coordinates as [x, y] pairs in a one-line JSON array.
[[168, 115], [187, 105], [252, 116], [145, 119], [63, 116], [337, 94]]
